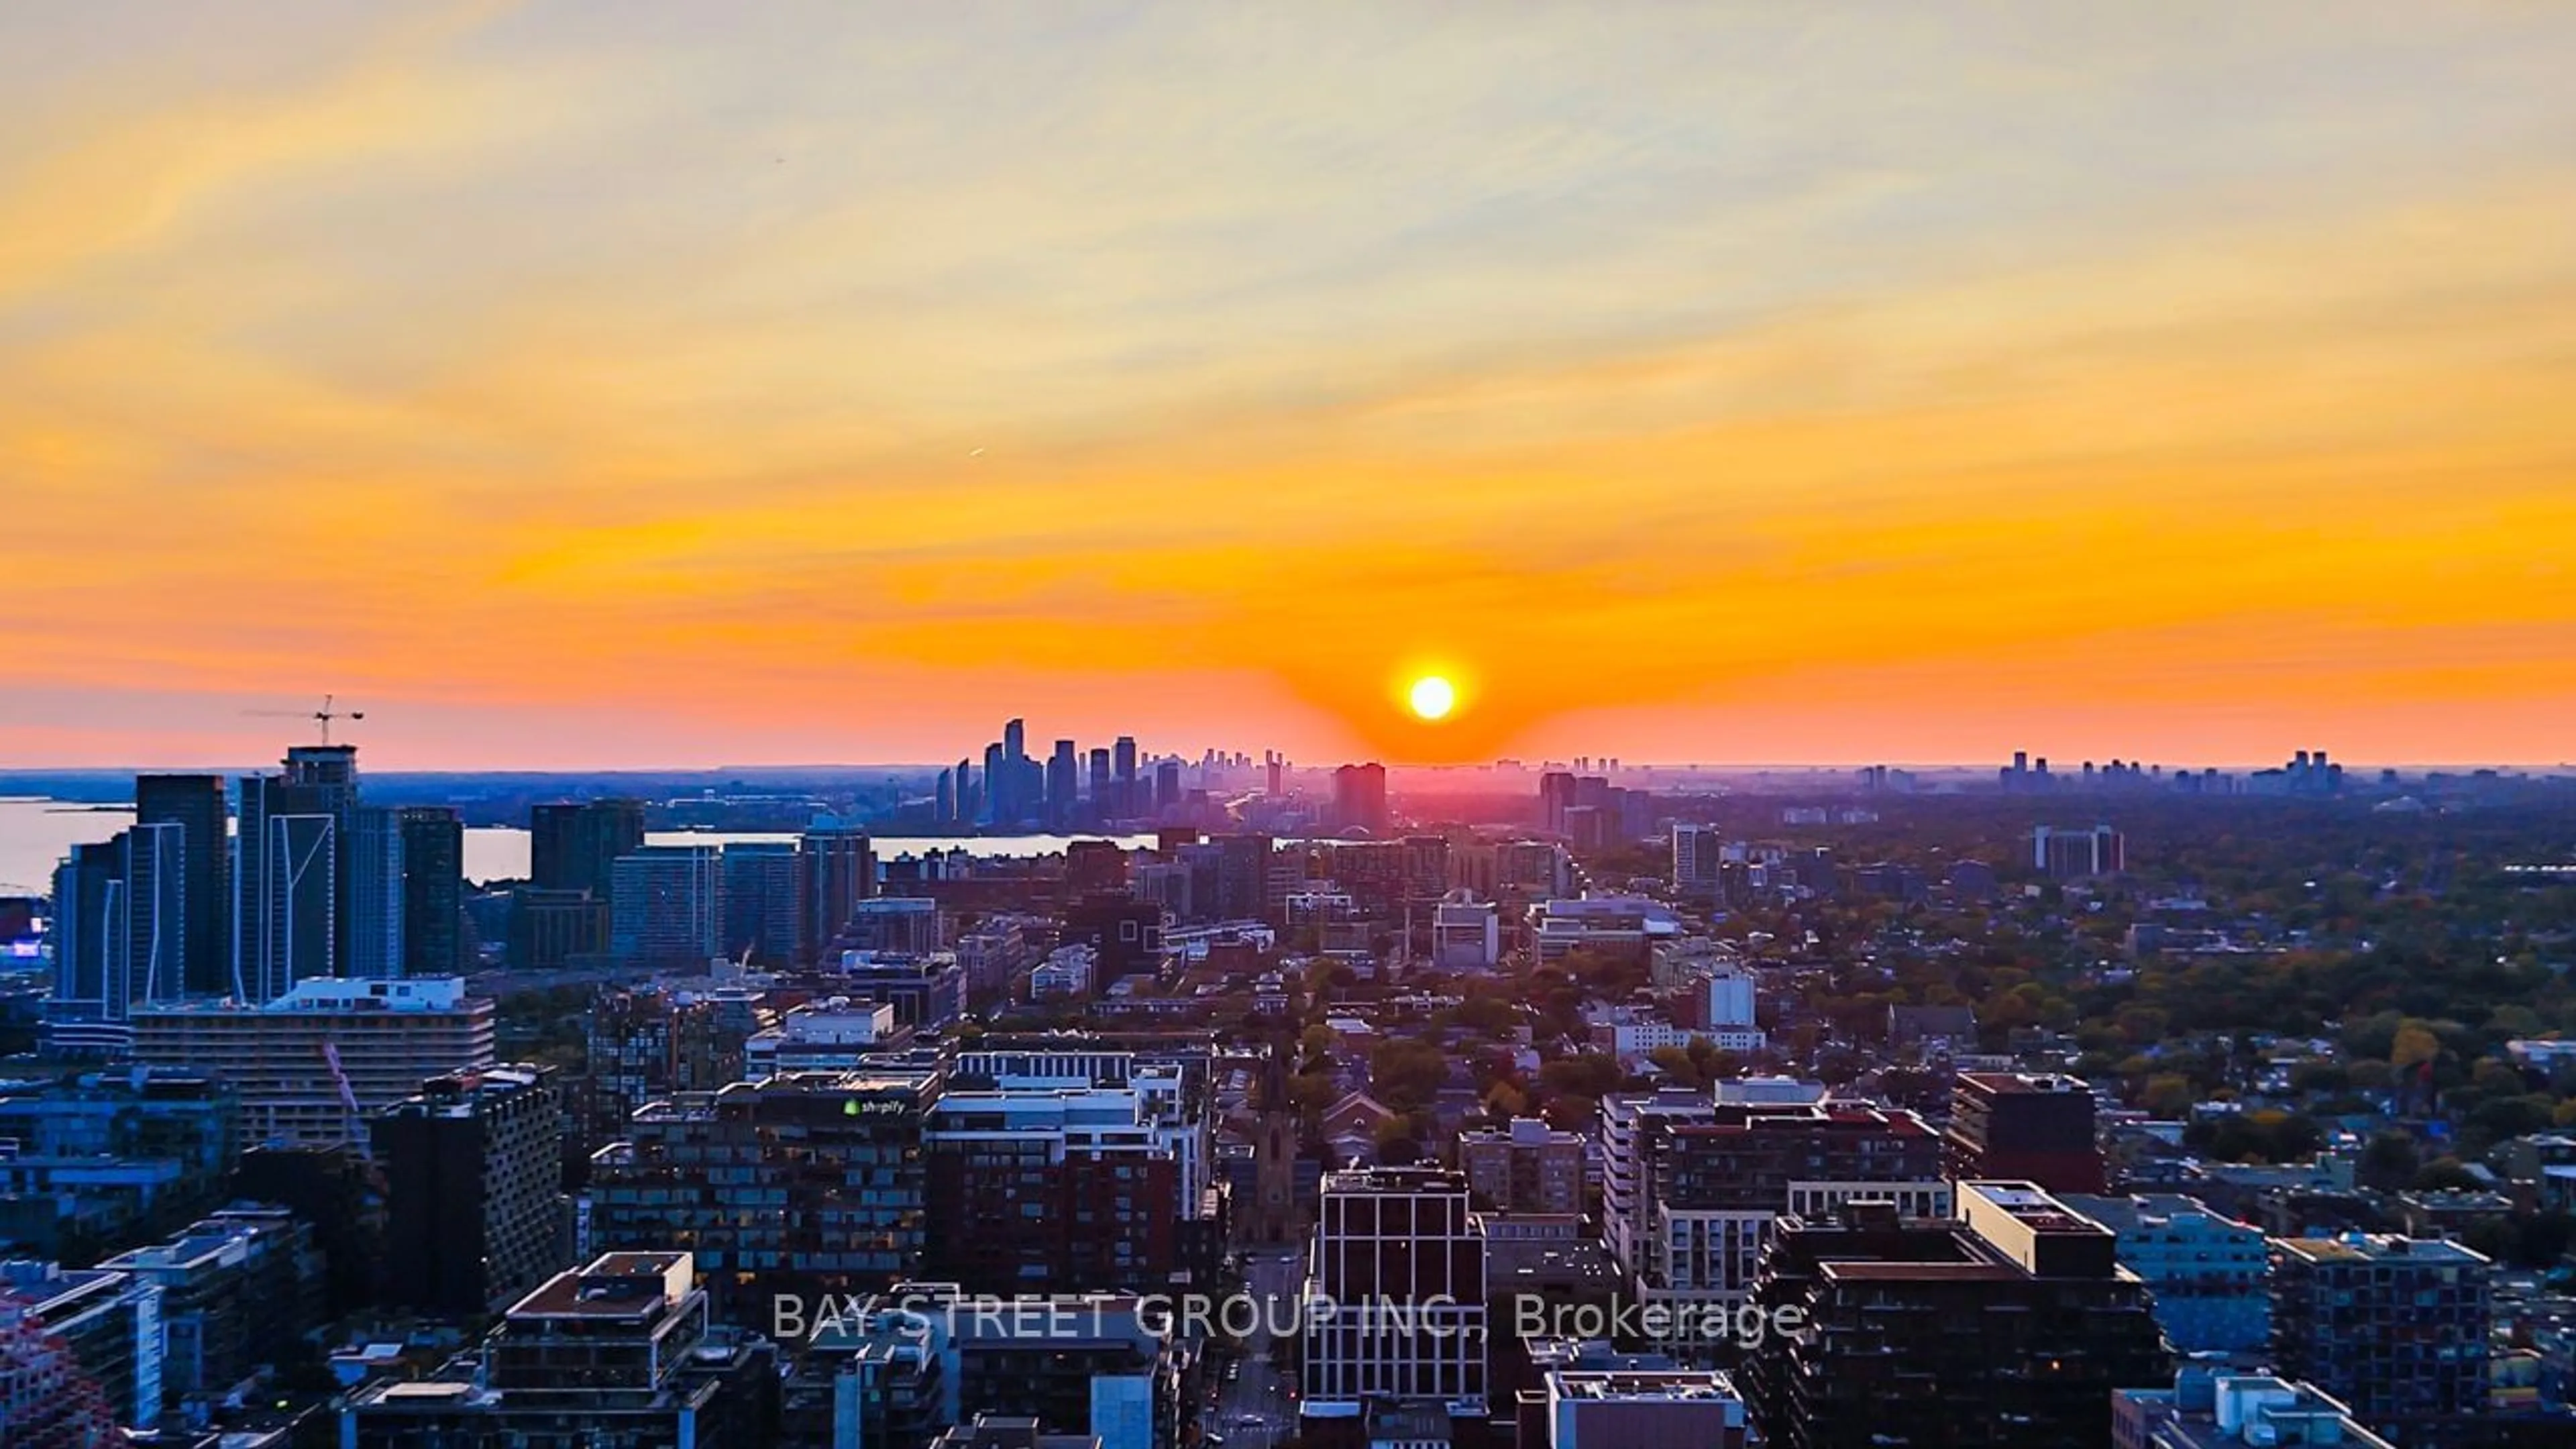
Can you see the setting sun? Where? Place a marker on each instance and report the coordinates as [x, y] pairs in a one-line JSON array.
[[1432, 697]]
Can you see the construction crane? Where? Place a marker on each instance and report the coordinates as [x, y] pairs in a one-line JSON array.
[[322, 716], [330, 1051]]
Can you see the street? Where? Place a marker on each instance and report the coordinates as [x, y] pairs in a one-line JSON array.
[[1255, 1411]]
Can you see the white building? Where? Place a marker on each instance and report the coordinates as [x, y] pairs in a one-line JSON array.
[[818, 1036], [1466, 934], [1065, 975]]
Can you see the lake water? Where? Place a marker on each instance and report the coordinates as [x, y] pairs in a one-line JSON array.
[[34, 834]]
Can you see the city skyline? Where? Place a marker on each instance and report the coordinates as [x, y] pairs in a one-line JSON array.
[[1723, 385]]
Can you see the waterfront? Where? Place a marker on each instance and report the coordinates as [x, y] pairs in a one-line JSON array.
[[36, 833]]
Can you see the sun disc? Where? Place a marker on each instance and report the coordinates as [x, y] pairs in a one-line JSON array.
[[1432, 697]]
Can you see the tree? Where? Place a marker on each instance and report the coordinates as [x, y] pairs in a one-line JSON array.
[[2388, 1162], [1405, 1073], [2414, 1045]]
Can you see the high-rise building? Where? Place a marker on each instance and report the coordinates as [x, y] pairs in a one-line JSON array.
[[1241, 890], [1063, 784], [1401, 1255], [1697, 852], [119, 938], [807, 1183], [1558, 793], [1528, 1167], [1101, 803], [996, 800], [766, 913], [195, 805], [575, 847], [372, 945], [666, 907], [1167, 784], [474, 1210], [1359, 798], [2008, 1327], [286, 887], [622, 1352], [314, 1064], [2062, 854], [966, 800], [2395, 1327], [1125, 803], [433, 892], [2033, 1128], [840, 872]]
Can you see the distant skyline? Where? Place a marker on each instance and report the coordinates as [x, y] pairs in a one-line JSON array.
[[664, 385]]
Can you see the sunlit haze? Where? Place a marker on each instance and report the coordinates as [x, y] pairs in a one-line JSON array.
[[668, 384]]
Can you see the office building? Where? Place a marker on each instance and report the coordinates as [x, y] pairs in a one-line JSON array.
[[1401, 1254], [805, 1183], [1359, 799], [666, 907], [433, 892], [1028, 1189], [1103, 802], [764, 901], [2008, 1327], [2211, 1275], [2394, 1327], [474, 1209], [2207, 1409], [623, 1352], [1167, 785], [195, 805], [1528, 1167], [1466, 933], [313, 1065], [840, 872], [2023, 1127], [832, 1035], [108, 1322], [924, 990]]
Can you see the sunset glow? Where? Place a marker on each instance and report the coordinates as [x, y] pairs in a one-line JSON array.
[[667, 385]]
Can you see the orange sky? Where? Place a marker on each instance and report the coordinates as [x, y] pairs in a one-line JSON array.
[[647, 385]]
